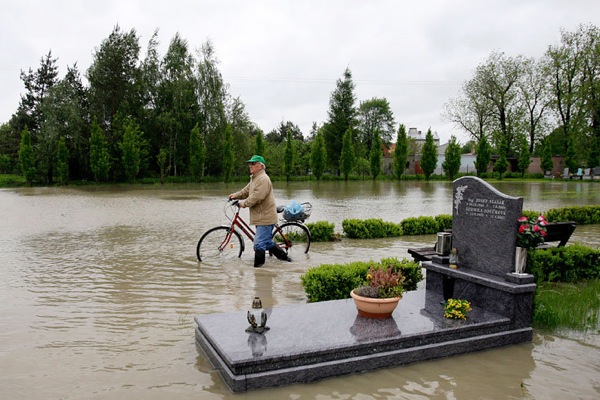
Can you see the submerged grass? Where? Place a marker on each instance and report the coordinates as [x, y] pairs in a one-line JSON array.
[[560, 306]]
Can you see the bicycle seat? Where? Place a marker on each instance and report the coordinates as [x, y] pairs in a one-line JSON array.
[[280, 209]]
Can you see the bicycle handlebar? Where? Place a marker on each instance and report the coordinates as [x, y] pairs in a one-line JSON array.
[[234, 202]]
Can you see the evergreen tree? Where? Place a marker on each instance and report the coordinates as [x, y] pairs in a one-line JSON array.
[[99, 157], [318, 156], [347, 154], [484, 156], [375, 155], [259, 145], [429, 157], [131, 149], [342, 117], [228, 155], [37, 86], [27, 157], [63, 161], [571, 155], [451, 164], [401, 152], [547, 163], [524, 157], [362, 166], [288, 164], [501, 165], [197, 154]]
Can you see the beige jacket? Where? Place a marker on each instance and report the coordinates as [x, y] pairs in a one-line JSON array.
[[258, 195]]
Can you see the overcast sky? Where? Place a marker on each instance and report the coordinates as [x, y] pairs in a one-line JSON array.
[[283, 58]]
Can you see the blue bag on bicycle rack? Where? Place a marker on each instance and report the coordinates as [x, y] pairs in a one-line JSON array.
[[293, 211]]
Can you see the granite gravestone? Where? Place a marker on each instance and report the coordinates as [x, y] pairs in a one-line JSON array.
[[484, 226]]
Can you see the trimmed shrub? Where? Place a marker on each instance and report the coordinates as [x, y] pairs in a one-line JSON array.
[[420, 226], [564, 264], [321, 231], [372, 228], [336, 281], [444, 222]]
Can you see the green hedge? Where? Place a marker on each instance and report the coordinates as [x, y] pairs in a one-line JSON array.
[[336, 281], [321, 231], [582, 215], [373, 228], [564, 264]]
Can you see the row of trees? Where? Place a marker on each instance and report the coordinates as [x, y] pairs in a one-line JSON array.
[[173, 115], [551, 102]]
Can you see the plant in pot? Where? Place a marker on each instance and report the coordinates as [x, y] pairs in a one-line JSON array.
[[530, 234], [379, 297]]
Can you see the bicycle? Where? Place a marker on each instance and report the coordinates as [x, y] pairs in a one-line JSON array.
[[226, 242]]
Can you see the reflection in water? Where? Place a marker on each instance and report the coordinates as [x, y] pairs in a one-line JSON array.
[[100, 285], [257, 343], [366, 329]]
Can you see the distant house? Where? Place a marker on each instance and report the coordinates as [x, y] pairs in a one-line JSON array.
[[419, 137]]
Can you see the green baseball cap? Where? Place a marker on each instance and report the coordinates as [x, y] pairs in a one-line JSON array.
[[257, 158]]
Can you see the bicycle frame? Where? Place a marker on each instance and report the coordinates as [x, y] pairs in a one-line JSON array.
[[244, 227]]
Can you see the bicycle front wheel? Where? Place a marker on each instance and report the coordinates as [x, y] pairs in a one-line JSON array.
[[292, 237], [219, 244]]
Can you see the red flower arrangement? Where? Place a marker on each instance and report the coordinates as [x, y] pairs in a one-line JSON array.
[[531, 233]]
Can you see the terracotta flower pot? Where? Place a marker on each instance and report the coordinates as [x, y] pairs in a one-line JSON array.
[[374, 308]]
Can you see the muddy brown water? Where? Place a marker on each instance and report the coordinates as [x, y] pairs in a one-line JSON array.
[[99, 287]]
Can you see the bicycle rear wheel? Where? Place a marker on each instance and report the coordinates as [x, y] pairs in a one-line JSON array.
[[219, 244], [297, 238]]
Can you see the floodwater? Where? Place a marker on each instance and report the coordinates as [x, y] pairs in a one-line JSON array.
[[99, 287]]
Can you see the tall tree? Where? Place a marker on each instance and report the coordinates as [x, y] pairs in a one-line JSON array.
[[288, 165], [212, 99], [114, 79], [563, 65], [62, 161], [99, 156], [37, 86], [451, 164], [347, 157], [27, 157], [228, 156], [318, 156], [472, 111], [401, 152], [484, 156], [177, 101], [429, 157], [534, 94], [132, 152], [496, 80], [375, 156], [375, 115], [66, 116], [341, 118], [197, 154]]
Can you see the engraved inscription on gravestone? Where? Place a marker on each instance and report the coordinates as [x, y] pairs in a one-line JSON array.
[[484, 226]]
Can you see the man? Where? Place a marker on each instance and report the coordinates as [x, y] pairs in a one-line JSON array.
[[258, 196]]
